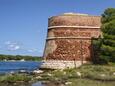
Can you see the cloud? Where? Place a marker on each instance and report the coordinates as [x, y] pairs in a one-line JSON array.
[[20, 48], [32, 50], [8, 42], [12, 46]]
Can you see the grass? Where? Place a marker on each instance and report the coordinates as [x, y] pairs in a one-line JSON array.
[[88, 82], [86, 75], [15, 78], [90, 75]]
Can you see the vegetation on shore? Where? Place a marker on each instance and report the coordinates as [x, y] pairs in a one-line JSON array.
[[19, 57], [9, 78], [86, 74]]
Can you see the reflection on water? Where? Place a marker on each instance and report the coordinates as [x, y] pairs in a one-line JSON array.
[[38, 84], [28, 84], [15, 84], [47, 84]]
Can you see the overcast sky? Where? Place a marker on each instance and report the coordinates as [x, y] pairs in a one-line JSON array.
[[23, 23]]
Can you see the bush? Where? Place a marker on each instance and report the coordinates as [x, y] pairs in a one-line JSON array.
[[15, 78]]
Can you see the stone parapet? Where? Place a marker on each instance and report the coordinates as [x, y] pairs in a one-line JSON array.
[[77, 20]]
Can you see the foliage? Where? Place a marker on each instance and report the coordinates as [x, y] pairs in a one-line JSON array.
[[91, 75], [106, 47], [89, 82], [15, 78], [94, 72], [19, 57], [108, 15], [97, 43], [108, 29]]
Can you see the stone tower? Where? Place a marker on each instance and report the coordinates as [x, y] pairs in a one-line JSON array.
[[68, 42]]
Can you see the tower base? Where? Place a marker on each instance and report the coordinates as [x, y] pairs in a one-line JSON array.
[[59, 64]]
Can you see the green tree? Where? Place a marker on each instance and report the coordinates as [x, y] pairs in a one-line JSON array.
[[108, 30], [104, 48]]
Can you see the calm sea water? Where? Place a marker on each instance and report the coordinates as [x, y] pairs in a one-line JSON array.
[[6, 67]]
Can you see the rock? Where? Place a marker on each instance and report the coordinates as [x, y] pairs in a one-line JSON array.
[[78, 73], [49, 74], [68, 83], [114, 73], [64, 73], [38, 77], [38, 71], [102, 75], [12, 72], [23, 71]]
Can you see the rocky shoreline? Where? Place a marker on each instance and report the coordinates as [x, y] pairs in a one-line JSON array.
[[67, 77]]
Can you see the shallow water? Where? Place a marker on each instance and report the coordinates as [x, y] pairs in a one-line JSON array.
[[37, 84], [6, 67], [47, 84], [28, 84]]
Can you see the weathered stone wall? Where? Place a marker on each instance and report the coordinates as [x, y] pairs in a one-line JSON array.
[[61, 64], [74, 32], [69, 37], [69, 49], [76, 20]]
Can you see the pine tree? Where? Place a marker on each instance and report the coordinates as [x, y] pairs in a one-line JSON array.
[[108, 30]]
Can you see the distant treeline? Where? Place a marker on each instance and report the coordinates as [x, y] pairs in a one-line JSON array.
[[19, 57]]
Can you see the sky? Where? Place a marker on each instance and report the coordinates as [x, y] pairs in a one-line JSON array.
[[23, 23]]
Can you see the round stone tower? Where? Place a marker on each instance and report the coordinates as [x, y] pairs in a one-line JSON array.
[[68, 42]]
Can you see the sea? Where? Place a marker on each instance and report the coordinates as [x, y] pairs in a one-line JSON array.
[[16, 66]]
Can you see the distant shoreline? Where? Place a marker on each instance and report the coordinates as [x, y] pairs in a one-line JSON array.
[[19, 58]]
